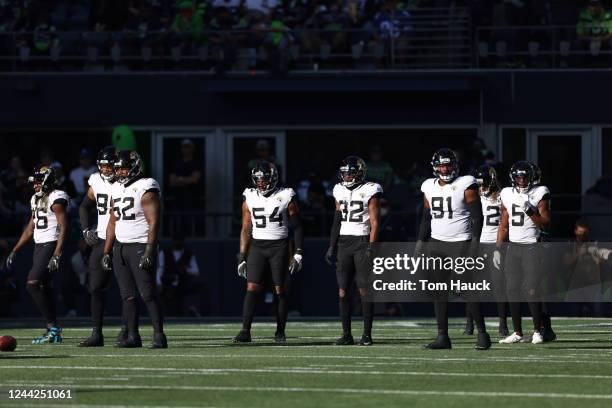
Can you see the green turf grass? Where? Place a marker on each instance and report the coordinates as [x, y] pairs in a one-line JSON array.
[[202, 368]]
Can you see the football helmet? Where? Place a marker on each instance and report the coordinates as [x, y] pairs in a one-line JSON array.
[[128, 159], [264, 177], [352, 171], [538, 174], [525, 171], [106, 157], [45, 176], [443, 157], [486, 177]]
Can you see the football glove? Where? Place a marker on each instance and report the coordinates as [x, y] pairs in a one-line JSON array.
[[90, 237], [296, 262], [497, 259], [242, 265], [329, 256], [529, 208], [107, 262], [10, 259], [146, 260], [369, 252], [54, 263]]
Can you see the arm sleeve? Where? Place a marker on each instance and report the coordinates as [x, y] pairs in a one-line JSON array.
[[298, 231], [335, 231], [425, 228], [475, 209], [84, 209]]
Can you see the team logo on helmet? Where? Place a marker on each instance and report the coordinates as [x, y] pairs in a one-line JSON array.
[[445, 165], [128, 159], [486, 177], [352, 171], [106, 157], [45, 177], [264, 177], [522, 176]]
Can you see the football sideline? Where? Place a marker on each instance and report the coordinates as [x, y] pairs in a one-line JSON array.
[[204, 368]]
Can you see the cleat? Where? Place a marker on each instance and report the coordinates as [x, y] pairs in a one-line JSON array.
[[244, 336], [95, 340], [130, 342], [122, 336], [440, 343], [159, 341], [484, 342], [469, 330], [511, 339], [548, 334], [366, 340], [279, 337], [537, 338], [345, 340], [51, 336]]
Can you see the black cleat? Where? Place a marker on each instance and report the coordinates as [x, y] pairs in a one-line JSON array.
[[503, 330], [130, 342], [366, 340], [469, 329], [440, 343], [279, 337], [244, 336], [122, 336], [95, 340], [345, 340], [159, 341], [548, 335], [484, 341]]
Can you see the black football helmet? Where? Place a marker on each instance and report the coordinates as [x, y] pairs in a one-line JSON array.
[[526, 171], [264, 177], [128, 159], [46, 177], [486, 177], [538, 174], [352, 171], [445, 156], [106, 157]]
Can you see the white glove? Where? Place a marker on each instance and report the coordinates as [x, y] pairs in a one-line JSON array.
[[529, 208], [296, 263], [242, 265], [497, 259]]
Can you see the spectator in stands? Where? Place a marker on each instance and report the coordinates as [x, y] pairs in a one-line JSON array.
[[123, 138], [12, 181], [178, 278], [392, 23], [80, 175], [379, 170], [316, 210], [326, 27], [594, 30], [186, 177], [602, 187], [8, 285], [64, 183], [188, 25], [144, 21]]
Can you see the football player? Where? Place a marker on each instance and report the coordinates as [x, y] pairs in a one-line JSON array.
[[525, 212], [452, 224], [267, 213], [354, 229], [489, 189], [131, 235], [49, 227], [98, 196]]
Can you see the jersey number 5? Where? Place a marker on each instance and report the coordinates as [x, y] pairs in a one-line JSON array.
[[518, 217], [121, 213], [260, 219]]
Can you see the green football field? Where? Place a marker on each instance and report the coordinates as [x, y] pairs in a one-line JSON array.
[[202, 368]]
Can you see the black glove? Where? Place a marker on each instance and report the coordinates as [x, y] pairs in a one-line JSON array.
[[146, 260], [90, 237], [369, 253], [107, 262], [10, 259], [242, 265], [329, 256], [53, 264]]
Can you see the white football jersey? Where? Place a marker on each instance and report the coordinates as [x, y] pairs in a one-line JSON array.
[[521, 227], [102, 194], [450, 218], [269, 213], [491, 212], [46, 228], [354, 207], [131, 225]]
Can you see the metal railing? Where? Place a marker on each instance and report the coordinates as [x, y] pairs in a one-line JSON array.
[[434, 37]]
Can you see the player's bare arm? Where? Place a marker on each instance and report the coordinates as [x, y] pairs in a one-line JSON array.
[[151, 206], [541, 218], [502, 232], [110, 233], [245, 230], [374, 212], [59, 209]]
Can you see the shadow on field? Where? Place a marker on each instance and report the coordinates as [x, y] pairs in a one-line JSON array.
[[28, 357]]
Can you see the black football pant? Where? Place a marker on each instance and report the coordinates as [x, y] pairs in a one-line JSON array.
[[130, 278], [99, 283], [40, 281]]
